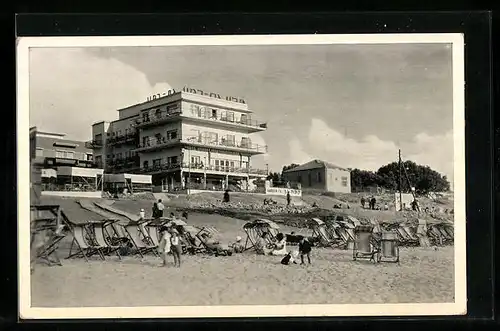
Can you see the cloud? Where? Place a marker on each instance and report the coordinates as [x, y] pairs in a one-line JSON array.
[[70, 89], [370, 152]]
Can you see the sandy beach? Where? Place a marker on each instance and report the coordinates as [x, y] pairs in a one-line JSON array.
[[425, 275]]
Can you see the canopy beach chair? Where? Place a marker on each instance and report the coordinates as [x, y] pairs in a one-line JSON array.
[[388, 251], [363, 243], [318, 228], [257, 228]]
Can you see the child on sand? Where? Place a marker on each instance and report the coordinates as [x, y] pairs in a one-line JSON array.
[[176, 248], [305, 248]]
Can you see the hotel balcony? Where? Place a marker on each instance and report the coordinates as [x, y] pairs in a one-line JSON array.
[[244, 125], [222, 145], [128, 138], [118, 165], [225, 145], [201, 169], [92, 144], [229, 122], [157, 119]]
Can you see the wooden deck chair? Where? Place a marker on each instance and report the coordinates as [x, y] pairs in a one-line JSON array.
[[103, 239], [215, 248], [85, 248], [435, 235], [363, 244], [136, 238], [444, 233], [421, 233], [450, 230], [412, 239]]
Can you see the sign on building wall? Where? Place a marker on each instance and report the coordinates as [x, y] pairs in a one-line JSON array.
[[283, 191], [195, 91]]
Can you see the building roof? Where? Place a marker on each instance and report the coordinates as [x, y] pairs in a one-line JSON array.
[[315, 164], [54, 143]]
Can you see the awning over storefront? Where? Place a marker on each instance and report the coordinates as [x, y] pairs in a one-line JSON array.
[[79, 172]]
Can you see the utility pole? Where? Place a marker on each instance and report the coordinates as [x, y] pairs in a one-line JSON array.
[[399, 182]]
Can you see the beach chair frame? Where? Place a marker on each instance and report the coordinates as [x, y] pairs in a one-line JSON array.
[[207, 249], [139, 243], [48, 227], [102, 237], [85, 248], [394, 243], [364, 233]]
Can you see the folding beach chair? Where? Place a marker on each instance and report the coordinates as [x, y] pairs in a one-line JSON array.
[[255, 230], [47, 230], [388, 250], [102, 238], [215, 247], [141, 244], [85, 247], [191, 244], [363, 244], [410, 238], [421, 233], [436, 237], [447, 238]]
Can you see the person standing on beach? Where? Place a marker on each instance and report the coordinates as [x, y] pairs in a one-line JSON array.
[[363, 202], [305, 248], [176, 248], [288, 198], [160, 207], [165, 244], [155, 210]]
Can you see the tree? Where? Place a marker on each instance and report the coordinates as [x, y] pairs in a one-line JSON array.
[[361, 179], [274, 176], [423, 178], [288, 167]]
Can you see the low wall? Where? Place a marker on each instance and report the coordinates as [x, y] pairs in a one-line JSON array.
[[283, 191], [73, 194]]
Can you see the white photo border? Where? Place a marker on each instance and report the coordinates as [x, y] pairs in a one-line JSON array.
[[459, 307]]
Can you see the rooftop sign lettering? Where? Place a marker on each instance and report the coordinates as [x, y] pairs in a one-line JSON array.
[[196, 91]]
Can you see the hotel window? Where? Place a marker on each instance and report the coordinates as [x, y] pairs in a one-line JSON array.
[[60, 154], [39, 151], [172, 160], [216, 165], [158, 138], [214, 113], [145, 141], [172, 108], [89, 157], [231, 164], [195, 160], [156, 163], [195, 110], [98, 160], [213, 138], [230, 116], [243, 119], [344, 181], [231, 140], [145, 116], [172, 134], [98, 137]]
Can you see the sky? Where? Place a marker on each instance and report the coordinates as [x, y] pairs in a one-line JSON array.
[[353, 105]]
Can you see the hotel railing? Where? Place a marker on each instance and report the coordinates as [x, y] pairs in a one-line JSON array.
[[93, 144], [128, 137], [198, 166], [226, 143], [153, 143], [157, 117], [232, 120], [69, 187]]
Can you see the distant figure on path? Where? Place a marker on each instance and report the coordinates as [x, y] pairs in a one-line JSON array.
[[288, 198], [160, 207], [363, 202], [373, 201], [305, 248], [226, 196], [414, 205]]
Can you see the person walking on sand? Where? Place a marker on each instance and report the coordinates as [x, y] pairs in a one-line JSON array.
[[155, 210], [373, 201], [363, 201], [160, 207], [165, 244], [305, 248], [288, 198], [176, 247]]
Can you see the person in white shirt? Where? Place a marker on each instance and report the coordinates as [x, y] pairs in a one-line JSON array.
[[165, 245], [142, 214], [160, 207], [176, 247]]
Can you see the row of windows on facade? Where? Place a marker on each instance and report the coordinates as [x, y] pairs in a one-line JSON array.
[[64, 154], [202, 137], [319, 179], [197, 162]]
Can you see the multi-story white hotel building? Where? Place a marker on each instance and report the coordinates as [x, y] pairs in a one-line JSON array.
[[184, 139]]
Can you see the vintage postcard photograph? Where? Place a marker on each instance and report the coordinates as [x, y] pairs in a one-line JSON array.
[[241, 176]]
